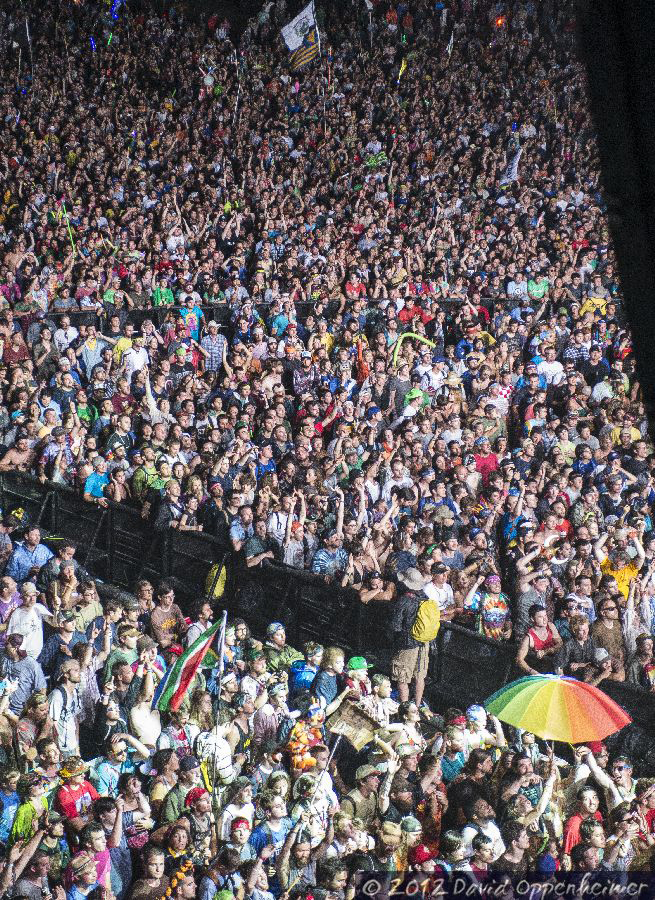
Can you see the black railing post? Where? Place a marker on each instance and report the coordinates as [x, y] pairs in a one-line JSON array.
[[168, 546], [440, 642], [110, 543], [54, 517]]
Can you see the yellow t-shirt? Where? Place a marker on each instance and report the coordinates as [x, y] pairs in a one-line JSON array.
[[592, 304], [615, 434], [121, 345], [623, 576]]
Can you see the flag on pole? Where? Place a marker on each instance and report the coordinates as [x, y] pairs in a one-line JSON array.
[[175, 683], [511, 171], [308, 51], [302, 38], [449, 47]]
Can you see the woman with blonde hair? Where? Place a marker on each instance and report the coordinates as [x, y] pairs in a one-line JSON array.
[[200, 711]]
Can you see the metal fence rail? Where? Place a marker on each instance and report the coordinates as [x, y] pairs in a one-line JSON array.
[[220, 312]]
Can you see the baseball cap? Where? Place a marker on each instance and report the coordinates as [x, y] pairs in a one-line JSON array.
[[410, 825], [357, 663], [596, 747], [365, 771], [189, 762], [420, 854], [127, 630], [406, 750], [80, 862]]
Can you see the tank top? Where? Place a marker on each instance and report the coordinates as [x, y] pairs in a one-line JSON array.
[[538, 643], [244, 740]]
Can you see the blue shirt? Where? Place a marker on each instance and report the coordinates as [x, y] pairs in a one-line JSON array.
[[51, 656], [452, 767], [192, 319], [23, 559], [238, 532], [74, 893], [262, 469], [263, 835], [329, 562], [9, 806], [121, 860], [106, 775], [29, 675], [95, 483], [324, 687]]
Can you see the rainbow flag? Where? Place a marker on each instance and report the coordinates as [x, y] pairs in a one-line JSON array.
[[175, 683]]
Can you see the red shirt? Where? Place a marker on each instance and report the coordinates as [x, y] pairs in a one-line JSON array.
[[76, 800], [572, 830], [486, 465]]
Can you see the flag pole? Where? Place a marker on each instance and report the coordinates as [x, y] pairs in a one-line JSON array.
[[318, 30], [320, 56], [221, 663], [221, 667]]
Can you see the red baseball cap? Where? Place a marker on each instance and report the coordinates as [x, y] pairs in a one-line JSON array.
[[420, 854]]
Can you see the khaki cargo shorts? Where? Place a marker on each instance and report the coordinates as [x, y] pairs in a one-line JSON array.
[[409, 664]]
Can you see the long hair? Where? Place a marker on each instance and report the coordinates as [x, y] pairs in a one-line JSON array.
[[204, 719]]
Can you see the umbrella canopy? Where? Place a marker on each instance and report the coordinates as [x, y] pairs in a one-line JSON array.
[[558, 709]]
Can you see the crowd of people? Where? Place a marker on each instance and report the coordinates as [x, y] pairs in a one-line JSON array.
[[361, 319]]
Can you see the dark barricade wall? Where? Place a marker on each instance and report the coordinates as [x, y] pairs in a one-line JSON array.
[[118, 546]]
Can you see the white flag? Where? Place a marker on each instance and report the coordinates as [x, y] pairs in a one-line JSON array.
[[449, 48], [511, 172], [294, 31]]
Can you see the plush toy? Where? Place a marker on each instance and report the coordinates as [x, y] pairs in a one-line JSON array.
[[305, 734]]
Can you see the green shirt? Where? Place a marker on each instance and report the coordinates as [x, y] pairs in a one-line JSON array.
[[538, 289], [162, 297], [142, 479], [279, 659], [25, 821], [173, 805]]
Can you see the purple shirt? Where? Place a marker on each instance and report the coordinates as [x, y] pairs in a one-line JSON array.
[[6, 609]]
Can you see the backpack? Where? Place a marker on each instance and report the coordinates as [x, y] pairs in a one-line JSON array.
[[215, 582], [427, 621], [284, 729]]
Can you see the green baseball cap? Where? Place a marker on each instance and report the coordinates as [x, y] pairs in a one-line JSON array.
[[358, 662]]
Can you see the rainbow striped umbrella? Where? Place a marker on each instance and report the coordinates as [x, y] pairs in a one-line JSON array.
[[558, 709]]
